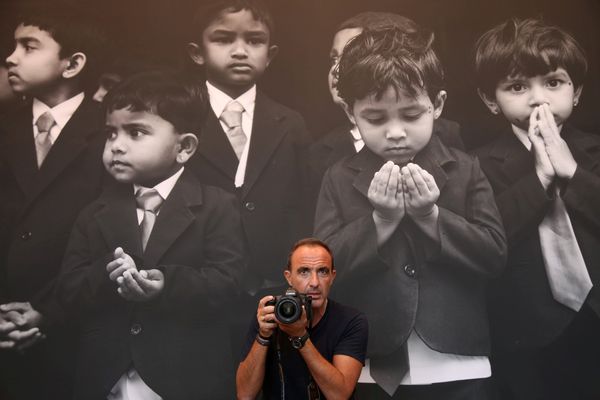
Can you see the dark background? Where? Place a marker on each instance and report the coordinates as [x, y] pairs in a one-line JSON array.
[[304, 29]]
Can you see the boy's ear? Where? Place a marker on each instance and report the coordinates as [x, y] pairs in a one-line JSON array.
[[438, 104], [195, 52], [188, 143], [273, 50], [489, 102], [75, 64], [577, 95]]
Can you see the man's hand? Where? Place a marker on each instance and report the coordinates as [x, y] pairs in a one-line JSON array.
[[420, 191], [386, 194], [265, 315], [296, 329], [142, 285], [558, 151], [19, 326], [121, 262]]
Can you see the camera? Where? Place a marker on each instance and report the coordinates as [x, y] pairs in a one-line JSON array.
[[288, 308]]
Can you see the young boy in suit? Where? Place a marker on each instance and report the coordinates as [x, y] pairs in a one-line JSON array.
[[250, 145], [50, 168], [545, 308], [153, 263], [413, 225], [344, 140]]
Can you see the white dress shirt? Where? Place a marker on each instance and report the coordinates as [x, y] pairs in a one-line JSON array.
[[218, 101], [61, 113]]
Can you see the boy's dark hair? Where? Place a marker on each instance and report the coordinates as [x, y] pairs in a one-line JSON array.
[[529, 47], [73, 29], [210, 10], [377, 20], [378, 59], [163, 93], [310, 242]]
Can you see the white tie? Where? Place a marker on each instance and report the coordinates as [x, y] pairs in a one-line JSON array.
[[44, 123], [232, 118]]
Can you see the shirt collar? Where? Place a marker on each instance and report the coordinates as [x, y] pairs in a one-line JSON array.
[[165, 187], [355, 133], [219, 99], [61, 113]]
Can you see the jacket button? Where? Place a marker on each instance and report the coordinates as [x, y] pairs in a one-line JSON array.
[[410, 271], [25, 235], [250, 206], [135, 329]]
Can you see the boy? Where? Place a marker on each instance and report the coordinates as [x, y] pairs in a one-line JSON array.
[[413, 225], [151, 297], [50, 168], [545, 175], [345, 140], [251, 145]]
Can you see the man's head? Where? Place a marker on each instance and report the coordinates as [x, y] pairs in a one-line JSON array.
[[310, 270], [152, 120], [54, 47], [232, 40], [391, 82], [354, 26], [520, 65]]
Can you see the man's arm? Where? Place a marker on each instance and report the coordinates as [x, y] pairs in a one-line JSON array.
[[337, 380]]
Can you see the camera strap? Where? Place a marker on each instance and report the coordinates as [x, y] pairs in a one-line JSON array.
[[279, 364]]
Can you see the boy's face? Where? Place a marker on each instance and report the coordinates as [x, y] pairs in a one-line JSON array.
[[234, 50], [35, 63], [396, 126], [141, 147], [517, 96], [340, 40]]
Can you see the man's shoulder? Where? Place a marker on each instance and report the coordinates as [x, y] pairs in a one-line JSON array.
[[343, 315]]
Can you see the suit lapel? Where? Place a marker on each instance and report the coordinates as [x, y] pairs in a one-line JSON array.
[[174, 218], [71, 142], [215, 147], [117, 220], [580, 146], [366, 163], [268, 130], [512, 156], [20, 149]]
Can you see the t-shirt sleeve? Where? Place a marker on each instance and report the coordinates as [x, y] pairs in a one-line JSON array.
[[250, 337], [354, 339]]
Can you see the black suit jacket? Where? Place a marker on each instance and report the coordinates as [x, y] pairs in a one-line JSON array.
[[177, 342], [523, 312], [409, 282], [274, 198]]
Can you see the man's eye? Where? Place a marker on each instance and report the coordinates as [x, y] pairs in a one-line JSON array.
[[303, 272], [324, 272]]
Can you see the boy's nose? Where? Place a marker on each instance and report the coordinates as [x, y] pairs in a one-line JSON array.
[[11, 60], [395, 132], [239, 50], [537, 96]]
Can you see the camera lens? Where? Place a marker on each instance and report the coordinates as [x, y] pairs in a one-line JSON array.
[[288, 310]]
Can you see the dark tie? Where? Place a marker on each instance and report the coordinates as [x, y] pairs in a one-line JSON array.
[[42, 140], [150, 201], [232, 118], [389, 370]]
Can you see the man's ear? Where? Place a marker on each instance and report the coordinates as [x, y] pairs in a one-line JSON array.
[[188, 143], [577, 95], [273, 51], [288, 276], [74, 65], [348, 110], [438, 104], [489, 102], [195, 52]]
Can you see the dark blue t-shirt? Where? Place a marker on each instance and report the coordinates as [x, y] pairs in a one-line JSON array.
[[342, 330]]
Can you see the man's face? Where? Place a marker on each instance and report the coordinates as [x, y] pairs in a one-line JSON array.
[[396, 126], [234, 50], [517, 96], [311, 273], [35, 63], [340, 40], [141, 147]]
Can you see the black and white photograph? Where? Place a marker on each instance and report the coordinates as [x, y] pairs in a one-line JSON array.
[[299, 199]]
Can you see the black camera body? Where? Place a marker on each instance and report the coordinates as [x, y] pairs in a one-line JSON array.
[[288, 308]]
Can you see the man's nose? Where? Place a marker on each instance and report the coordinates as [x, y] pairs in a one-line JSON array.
[[314, 279]]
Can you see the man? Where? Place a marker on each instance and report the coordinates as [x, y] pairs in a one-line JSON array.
[[304, 359]]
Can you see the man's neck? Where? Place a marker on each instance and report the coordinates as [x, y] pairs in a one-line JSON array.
[[319, 312]]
